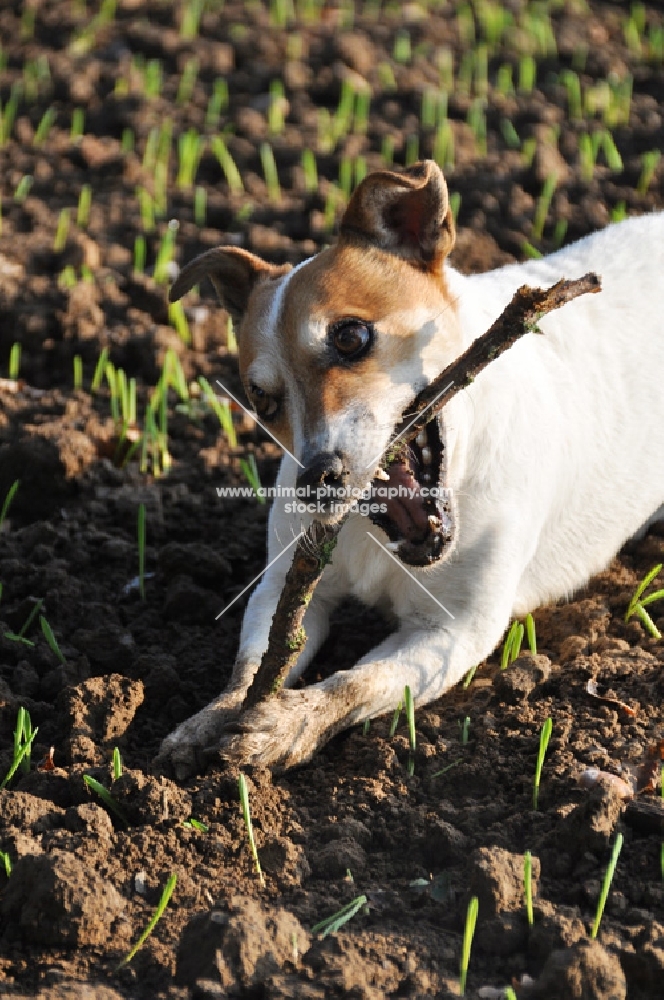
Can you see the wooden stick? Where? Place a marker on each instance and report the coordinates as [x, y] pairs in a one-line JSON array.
[[314, 550]]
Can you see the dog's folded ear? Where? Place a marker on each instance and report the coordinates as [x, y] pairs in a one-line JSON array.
[[407, 214], [233, 272]]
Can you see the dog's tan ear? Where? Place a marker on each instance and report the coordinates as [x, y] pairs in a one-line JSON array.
[[233, 272], [406, 214]]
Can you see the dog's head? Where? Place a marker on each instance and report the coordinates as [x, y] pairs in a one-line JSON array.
[[333, 350]]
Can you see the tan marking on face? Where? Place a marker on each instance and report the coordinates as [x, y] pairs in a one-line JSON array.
[[368, 284]]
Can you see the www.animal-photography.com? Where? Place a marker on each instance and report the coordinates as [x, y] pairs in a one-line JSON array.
[[331, 499]]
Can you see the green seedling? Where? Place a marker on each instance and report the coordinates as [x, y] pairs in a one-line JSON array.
[[447, 768], [200, 206], [606, 884], [250, 473], [51, 640], [395, 719], [190, 150], [244, 802], [8, 116], [505, 80], [78, 372], [330, 925], [638, 603], [6, 862], [23, 188], [649, 163], [187, 81], [154, 919], [195, 824], [153, 78], [24, 736], [20, 636], [476, 118], [366, 727], [572, 85], [310, 170], [222, 411], [527, 74], [191, 19], [510, 134], [100, 370], [14, 361], [84, 205], [116, 763], [528, 885], [67, 278], [77, 124], [141, 550], [512, 645], [465, 730], [543, 205], [139, 254], [178, 320], [409, 706], [62, 231], [545, 736], [276, 113], [412, 153], [45, 125], [468, 933], [106, 797], [270, 172], [531, 634], [509, 993], [402, 52], [228, 165], [469, 676], [217, 103], [165, 253]]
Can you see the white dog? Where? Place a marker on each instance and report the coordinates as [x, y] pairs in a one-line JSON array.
[[553, 457]]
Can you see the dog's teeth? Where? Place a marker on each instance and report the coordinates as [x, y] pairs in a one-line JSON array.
[[381, 474], [422, 438], [426, 455]]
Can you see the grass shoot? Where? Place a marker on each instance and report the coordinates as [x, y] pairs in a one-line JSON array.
[[545, 736], [250, 473], [244, 802], [20, 636], [116, 763], [606, 885], [5, 860], [468, 933], [330, 925], [512, 646], [528, 885], [15, 361], [24, 736], [154, 919], [638, 603], [6, 504], [106, 797], [51, 640]]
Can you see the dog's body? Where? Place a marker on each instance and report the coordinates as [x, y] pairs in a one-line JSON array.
[[553, 455]]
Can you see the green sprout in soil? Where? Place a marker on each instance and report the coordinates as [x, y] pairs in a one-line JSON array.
[[20, 636], [5, 860], [531, 634], [154, 919], [141, 550], [228, 165], [217, 103], [14, 361], [165, 253], [45, 125], [51, 640], [545, 736], [178, 320], [190, 150], [24, 736], [649, 163], [200, 206], [187, 81], [84, 204], [106, 797], [244, 802], [528, 885], [139, 254], [465, 730], [270, 172], [62, 231], [9, 114], [395, 719], [606, 884], [250, 473], [78, 372], [77, 129], [6, 504], [195, 824], [638, 603], [222, 412], [543, 205], [116, 764], [100, 369], [512, 646], [509, 993], [409, 706], [469, 676], [468, 932], [330, 925]]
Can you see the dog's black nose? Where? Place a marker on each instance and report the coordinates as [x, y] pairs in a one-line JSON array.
[[324, 472]]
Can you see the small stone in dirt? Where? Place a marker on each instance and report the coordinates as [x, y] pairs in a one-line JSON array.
[[55, 899], [521, 678], [239, 948], [497, 880], [586, 971]]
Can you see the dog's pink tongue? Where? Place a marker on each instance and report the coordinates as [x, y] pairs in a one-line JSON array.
[[407, 512]]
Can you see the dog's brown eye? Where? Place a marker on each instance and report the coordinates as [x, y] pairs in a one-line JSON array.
[[351, 338], [266, 406]]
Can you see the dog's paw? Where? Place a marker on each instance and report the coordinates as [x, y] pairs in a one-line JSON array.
[[183, 752], [284, 730]]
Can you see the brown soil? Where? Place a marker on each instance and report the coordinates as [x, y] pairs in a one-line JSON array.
[[84, 883]]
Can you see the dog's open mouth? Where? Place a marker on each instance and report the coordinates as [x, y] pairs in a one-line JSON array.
[[420, 526]]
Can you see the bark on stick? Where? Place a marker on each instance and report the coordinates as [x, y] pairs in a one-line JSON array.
[[314, 550]]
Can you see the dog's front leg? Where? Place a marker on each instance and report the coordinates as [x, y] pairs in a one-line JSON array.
[[288, 728]]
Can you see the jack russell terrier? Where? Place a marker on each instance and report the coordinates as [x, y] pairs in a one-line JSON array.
[[550, 460]]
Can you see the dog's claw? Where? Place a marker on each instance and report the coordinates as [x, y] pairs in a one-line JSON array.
[[184, 751]]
